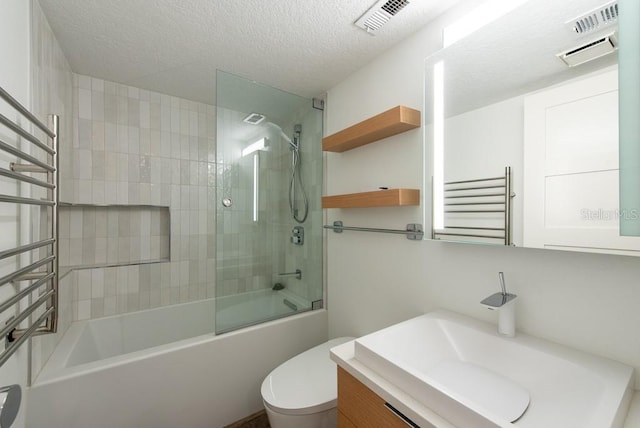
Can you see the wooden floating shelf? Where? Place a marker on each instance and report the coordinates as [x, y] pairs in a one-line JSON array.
[[378, 198], [391, 122]]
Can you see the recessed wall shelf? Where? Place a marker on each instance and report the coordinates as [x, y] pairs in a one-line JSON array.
[[101, 236], [378, 198], [391, 122]]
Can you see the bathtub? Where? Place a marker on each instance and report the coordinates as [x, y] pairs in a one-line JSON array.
[[241, 310], [166, 367]]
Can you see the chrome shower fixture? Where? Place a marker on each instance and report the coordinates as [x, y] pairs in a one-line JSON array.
[[296, 176], [297, 130], [291, 142]]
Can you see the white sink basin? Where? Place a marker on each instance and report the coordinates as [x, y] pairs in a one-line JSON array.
[[567, 388]]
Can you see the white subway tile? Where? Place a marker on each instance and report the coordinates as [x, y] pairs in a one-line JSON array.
[[136, 193], [123, 192], [156, 194], [97, 106], [101, 250], [133, 92], [84, 82], [84, 103], [97, 284], [85, 192], [111, 192], [97, 85], [98, 192], [122, 137], [133, 142], [145, 194], [84, 310], [175, 121], [109, 87], [97, 136], [145, 114]]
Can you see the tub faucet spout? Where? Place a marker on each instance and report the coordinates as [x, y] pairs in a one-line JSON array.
[[297, 274], [504, 303]]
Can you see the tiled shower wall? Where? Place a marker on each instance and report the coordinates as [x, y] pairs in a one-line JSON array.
[[51, 94], [136, 147], [244, 255], [114, 235], [252, 254], [309, 256]]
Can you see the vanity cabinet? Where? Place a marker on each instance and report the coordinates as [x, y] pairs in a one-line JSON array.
[[360, 407]]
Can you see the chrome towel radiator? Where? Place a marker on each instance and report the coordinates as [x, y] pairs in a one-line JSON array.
[[34, 300], [478, 210]]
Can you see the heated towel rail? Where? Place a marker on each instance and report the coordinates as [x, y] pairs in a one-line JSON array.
[[33, 296], [478, 210]]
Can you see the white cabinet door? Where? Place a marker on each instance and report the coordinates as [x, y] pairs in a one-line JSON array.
[[571, 167]]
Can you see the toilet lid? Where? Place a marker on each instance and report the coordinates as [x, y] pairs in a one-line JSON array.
[[307, 383]]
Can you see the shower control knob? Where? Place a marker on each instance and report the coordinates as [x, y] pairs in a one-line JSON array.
[[297, 235], [227, 202]]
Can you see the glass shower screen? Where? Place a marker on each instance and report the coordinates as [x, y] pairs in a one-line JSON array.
[[268, 232]]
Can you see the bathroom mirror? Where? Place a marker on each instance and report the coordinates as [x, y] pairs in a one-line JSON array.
[[532, 93]]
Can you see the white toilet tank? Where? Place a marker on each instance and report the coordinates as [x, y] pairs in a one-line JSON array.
[[303, 391]]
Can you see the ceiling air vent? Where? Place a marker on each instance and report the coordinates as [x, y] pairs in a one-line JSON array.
[[379, 14], [590, 51], [595, 19], [254, 118]]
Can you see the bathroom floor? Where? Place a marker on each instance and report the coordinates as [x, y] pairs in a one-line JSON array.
[[257, 420]]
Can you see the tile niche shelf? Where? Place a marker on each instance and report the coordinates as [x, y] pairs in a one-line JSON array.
[[386, 124], [391, 122], [100, 236], [378, 198]]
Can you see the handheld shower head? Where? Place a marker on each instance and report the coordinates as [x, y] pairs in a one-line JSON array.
[[292, 143], [297, 130]]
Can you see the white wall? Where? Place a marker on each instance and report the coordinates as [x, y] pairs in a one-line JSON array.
[[587, 301], [481, 143], [15, 79], [51, 90]]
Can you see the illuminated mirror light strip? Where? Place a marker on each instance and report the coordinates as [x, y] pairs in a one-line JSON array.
[[256, 182], [478, 18], [438, 145]]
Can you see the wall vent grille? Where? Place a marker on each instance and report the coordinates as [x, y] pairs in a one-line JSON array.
[[590, 50], [596, 19], [379, 14], [254, 118]]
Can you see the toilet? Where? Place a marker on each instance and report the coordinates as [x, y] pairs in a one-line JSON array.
[[303, 391]]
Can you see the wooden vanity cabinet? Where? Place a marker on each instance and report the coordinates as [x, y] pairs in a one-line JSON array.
[[360, 407]]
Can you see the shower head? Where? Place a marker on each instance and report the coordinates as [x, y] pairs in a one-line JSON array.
[[285, 136]]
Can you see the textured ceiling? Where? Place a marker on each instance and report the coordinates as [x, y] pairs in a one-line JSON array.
[[175, 46]]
